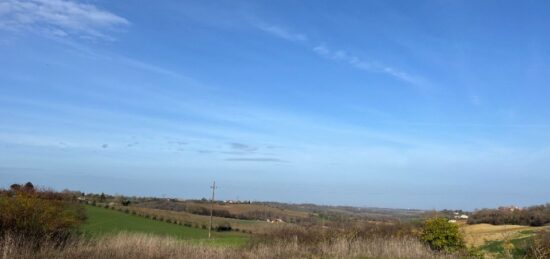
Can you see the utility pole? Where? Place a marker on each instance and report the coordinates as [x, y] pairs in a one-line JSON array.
[[211, 209]]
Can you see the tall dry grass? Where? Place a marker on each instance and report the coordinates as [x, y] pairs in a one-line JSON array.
[[345, 248], [540, 248], [137, 246]]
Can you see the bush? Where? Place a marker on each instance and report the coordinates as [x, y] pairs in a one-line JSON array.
[[23, 213], [225, 226], [540, 248], [441, 235]]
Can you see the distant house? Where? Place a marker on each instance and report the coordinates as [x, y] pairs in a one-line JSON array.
[[275, 221], [509, 208], [452, 220], [458, 215]]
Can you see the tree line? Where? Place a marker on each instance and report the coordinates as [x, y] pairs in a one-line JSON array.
[[532, 216]]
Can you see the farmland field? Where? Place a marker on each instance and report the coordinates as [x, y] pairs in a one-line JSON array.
[[256, 226], [479, 234], [101, 221], [500, 240]]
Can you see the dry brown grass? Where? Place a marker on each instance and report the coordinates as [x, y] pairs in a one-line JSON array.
[[137, 246], [479, 234], [541, 245]]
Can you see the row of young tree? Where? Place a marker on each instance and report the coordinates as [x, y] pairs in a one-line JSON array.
[[532, 216]]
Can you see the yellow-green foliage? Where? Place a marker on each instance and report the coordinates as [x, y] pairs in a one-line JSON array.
[[30, 215], [442, 235]]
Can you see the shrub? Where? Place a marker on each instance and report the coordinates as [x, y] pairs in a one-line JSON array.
[[35, 219], [442, 235], [225, 226]]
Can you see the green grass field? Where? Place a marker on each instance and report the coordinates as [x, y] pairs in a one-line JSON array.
[[101, 221], [519, 248]]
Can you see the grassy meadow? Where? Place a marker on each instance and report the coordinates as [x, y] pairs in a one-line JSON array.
[[500, 240], [255, 226], [101, 221]]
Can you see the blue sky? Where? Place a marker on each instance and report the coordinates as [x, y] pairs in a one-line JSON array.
[[424, 104]]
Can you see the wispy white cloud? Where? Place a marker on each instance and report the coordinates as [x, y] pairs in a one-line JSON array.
[[89, 52], [339, 55], [369, 66], [281, 32], [58, 18], [149, 67]]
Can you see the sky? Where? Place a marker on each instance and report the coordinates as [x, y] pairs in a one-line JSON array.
[[398, 104]]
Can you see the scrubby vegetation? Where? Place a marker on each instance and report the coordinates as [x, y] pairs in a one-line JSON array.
[[138, 246], [37, 216], [531, 216], [441, 235], [540, 247]]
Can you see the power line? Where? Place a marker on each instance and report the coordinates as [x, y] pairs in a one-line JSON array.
[[213, 187]]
